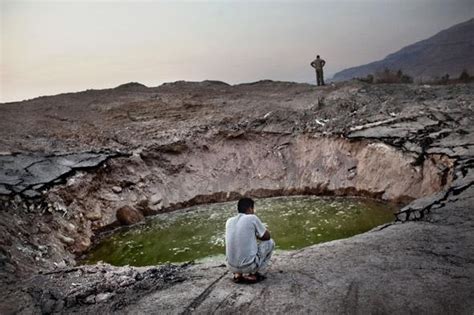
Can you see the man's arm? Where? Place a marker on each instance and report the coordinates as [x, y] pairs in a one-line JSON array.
[[265, 237], [260, 230]]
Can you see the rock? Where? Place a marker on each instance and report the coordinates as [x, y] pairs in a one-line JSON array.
[[82, 245], [155, 199], [127, 215], [125, 281], [43, 248], [31, 193], [94, 215], [29, 172], [44, 229], [17, 199], [48, 306], [65, 239], [117, 189], [60, 206], [155, 203], [90, 299], [60, 265], [70, 227], [102, 297]]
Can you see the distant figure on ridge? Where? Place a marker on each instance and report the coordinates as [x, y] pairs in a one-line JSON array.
[[318, 64], [244, 256]]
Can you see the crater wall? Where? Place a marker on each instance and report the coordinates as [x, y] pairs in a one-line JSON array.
[[181, 174]]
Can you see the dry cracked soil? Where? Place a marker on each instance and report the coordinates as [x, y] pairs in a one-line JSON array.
[[69, 162]]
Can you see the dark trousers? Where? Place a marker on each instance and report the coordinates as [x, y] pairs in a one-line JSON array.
[[319, 77]]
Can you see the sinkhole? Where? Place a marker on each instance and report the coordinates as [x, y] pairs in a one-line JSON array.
[[197, 232]]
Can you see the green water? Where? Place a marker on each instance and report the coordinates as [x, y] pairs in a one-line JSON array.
[[198, 232]]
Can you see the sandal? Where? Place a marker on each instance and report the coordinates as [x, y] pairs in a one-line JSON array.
[[260, 277], [238, 278], [249, 279], [252, 278]]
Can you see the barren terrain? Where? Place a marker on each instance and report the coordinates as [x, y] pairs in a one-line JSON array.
[[68, 162]]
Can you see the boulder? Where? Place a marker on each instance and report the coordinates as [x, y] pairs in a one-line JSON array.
[[127, 215]]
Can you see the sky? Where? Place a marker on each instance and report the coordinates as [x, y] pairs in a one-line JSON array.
[[52, 47]]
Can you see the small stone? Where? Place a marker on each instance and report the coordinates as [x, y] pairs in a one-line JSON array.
[[402, 216], [125, 281], [155, 199], [61, 264], [117, 189], [412, 215], [31, 193], [17, 199], [70, 227], [90, 299], [94, 215], [102, 297], [44, 229], [65, 239], [47, 306], [83, 244]]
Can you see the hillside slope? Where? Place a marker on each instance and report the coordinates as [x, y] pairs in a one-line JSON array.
[[448, 52]]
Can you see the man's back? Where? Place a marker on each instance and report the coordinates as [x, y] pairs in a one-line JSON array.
[[318, 64], [241, 241]]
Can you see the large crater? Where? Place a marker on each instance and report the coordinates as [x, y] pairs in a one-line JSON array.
[[297, 141], [182, 174]]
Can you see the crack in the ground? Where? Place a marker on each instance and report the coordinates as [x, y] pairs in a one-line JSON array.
[[411, 214], [201, 297]]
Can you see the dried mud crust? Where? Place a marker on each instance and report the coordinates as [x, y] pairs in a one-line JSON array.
[[181, 144], [92, 289]]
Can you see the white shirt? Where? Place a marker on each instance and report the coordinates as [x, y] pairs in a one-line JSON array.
[[241, 234]]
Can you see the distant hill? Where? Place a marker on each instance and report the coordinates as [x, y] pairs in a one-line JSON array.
[[448, 52]]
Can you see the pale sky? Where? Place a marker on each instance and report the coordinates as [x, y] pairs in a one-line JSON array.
[[51, 47]]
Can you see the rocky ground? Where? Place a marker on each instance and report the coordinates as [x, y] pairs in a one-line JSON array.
[[68, 162]]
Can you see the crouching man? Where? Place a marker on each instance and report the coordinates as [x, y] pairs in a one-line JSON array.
[[245, 257]]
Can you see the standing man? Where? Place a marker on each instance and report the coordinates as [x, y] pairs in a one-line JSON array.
[[318, 64], [245, 257]]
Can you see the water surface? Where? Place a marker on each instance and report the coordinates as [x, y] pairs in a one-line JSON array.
[[198, 232]]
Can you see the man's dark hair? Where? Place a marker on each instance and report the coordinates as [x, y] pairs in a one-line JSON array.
[[317, 56], [244, 204]]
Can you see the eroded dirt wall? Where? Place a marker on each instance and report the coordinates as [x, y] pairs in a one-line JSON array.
[[209, 170], [168, 177]]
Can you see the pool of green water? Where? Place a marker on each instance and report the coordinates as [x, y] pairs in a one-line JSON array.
[[198, 232]]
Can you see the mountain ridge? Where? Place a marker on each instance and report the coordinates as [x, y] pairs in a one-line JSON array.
[[447, 52]]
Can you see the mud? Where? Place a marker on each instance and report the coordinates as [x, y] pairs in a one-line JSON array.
[[188, 143]]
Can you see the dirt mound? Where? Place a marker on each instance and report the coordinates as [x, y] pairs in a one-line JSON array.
[[132, 87]]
